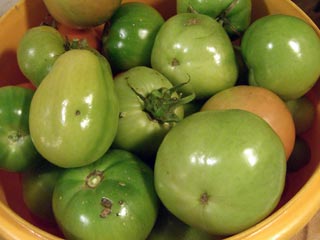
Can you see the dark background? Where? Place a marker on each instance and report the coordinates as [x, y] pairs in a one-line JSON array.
[[312, 8]]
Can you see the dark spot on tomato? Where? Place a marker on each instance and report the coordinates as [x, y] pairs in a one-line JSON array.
[[204, 198], [106, 202], [107, 205], [122, 114], [105, 212], [175, 62], [77, 113]]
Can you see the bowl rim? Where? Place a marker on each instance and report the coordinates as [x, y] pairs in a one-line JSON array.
[[13, 225]]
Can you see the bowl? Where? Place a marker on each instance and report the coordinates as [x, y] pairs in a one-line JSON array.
[[301, 197]]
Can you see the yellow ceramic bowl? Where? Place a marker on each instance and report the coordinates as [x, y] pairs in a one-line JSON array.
[[301, 198]]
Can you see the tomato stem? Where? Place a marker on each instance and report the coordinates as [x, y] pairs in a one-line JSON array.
[[223, 19], [15, 136], [161, 103], [94, 179]]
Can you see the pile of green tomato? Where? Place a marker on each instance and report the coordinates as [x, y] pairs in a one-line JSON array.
[[115, 143]]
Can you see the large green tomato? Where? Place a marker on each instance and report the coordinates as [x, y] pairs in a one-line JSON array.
[[235, 15], [282, 54], [128, 37], [17, 152], [113, 198], [82, 13], [74, 112], [195, 47], [149, 108], [37, 51], [221, 171]]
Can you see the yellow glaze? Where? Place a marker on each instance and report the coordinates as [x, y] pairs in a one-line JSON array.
[[300, 201]]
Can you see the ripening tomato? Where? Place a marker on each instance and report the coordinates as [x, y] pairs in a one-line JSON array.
[[262, 102], [89, 36]]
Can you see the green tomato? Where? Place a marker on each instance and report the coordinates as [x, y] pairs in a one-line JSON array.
[[74, 112], [281, 53], [303, 113], [37, 189], [149, 108], [113, 198], [17, 152], [194, 47], [221, 171], [129, 36], [82, 14], [235, 15], [301, 155], [37, 51]]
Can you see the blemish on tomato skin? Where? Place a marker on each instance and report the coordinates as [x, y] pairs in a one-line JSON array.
[[105, 212], [192, 21], [204, 198], [107, 205], [175, 62], [122, 184]]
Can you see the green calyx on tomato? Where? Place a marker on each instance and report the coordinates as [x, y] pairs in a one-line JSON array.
[[112, 198], [160, 103], [17, 152]]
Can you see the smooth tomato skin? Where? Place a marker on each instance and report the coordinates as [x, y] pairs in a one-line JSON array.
[[82, 14], [194, 47], [215, 165], [74, 112], [129, 35], [17, 151], [38, 183], [38, 50], [262, 102], [238, 16], [280, 52], [126, 184], [137, 131]]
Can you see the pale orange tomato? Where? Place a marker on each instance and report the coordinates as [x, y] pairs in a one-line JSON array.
[[91, 35], [261, 102]]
